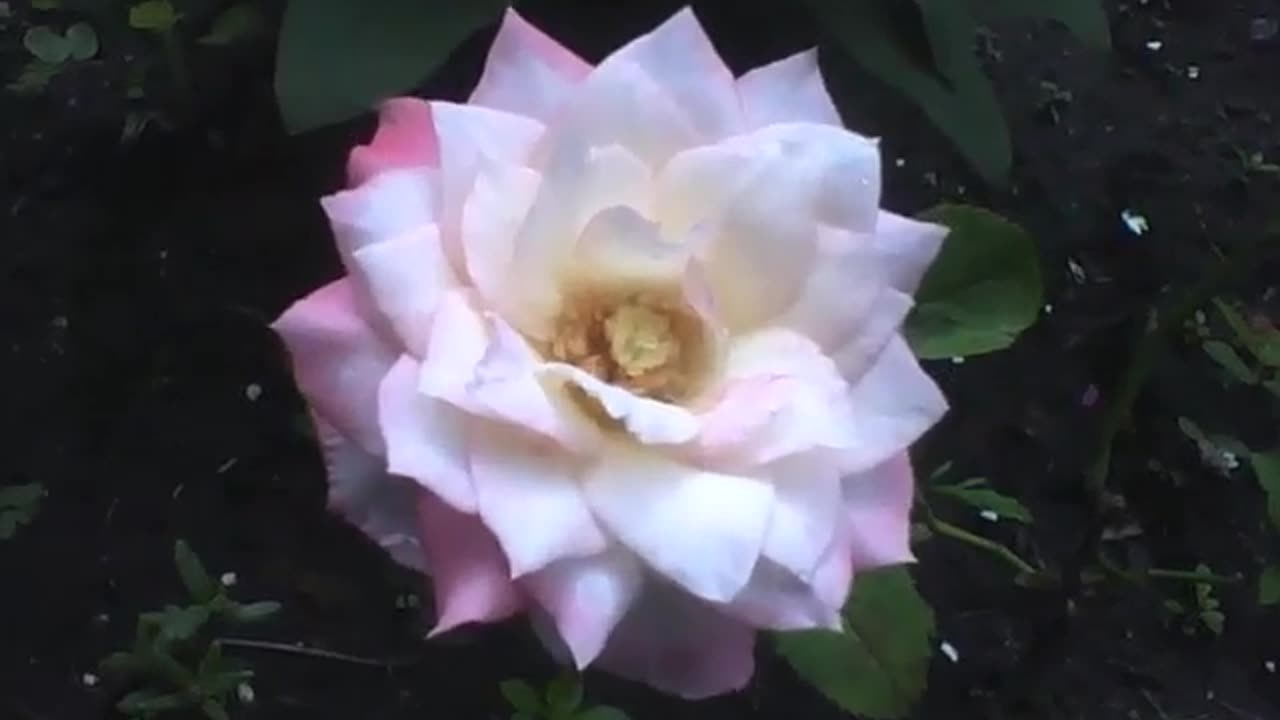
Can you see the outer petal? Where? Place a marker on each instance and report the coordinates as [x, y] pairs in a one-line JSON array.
[[586, 597], [789, 90], [491, 220], [405, 277], [680, 646], [842, 295], [680, 57], [468, 572], [869, 339], [391, 204], [527, 72], [703, 530], [405, 138], [775, 599], [894, 403], [338, 361], [805, 510], [360, 490], [907, 247], [878, 511], [530, 498], [426, 438]]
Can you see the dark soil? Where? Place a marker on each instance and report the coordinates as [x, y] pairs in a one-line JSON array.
[[137, 276]]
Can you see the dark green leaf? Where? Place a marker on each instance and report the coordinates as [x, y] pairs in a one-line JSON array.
[[1262, 342], [337, 58], [988, 499], [178, 623], [1229, 360], [878, 666], [1086, 19], [18, 505], [564, 695], [122, 663], [252, 612], [521, 695], [603, 712], [199, 583], [149, 702], [156, 16], [1269, 586], [983, 289], [236, 23], [35, 77], [961, 102], [214, 710], [1267, 467], [46, 4], [47, 44], [83, 41]]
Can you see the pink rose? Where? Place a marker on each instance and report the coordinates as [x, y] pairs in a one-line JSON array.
[[619, 346]]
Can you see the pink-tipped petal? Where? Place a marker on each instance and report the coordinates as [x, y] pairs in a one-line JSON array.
[[405, 138], [405, 277], [894, 403], [426, 438], [529, 496], [587, 597], [678, 645], [338, 361], [775, 599], [907, 247], [362, 492], [703, 530], [877, 506], [680, 57], [391, 204], [527, 72], [789, 90], [468, 571]]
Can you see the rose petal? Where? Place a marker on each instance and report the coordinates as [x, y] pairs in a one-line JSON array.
[[701, 529], [491, 219], [877, 506], [775, 599], [338, 361], [843, 293], [680, 57], [468, 571], [648, 421], [405, 138], [894, 403], [518, 481], [907, 247], [788, 90], [527, 72], [806, 489], [680, 646], [426, 438], [587, 597], [619, 244], [360, 490], [390, 204], [864, 346], [405, 277]]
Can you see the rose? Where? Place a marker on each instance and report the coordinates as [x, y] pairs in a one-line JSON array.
[[620, 346]]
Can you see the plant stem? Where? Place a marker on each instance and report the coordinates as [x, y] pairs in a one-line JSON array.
[[955, 532], [310, 652], [1142, 576]]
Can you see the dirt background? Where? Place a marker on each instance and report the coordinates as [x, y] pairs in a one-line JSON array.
[[137, 273]]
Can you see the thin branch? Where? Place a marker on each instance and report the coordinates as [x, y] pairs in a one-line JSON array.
[[304, 651]]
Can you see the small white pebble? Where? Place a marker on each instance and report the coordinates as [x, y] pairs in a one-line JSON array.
[[1193, 72], [244, 691], [950, 651], [1077, 270], [957, 360], [1154, 45], [900, 162], [989, 515], [89, 679], [61, 322], [1270, 665], [1048, 309], [1136, 223], [253, 391], [227, 465], [228, 579], [1209, 695]]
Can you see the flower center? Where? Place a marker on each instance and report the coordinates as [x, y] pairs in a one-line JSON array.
[[647, 340]]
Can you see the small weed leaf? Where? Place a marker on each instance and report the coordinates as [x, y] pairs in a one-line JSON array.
[[1269, 586], [985, 498], [1267, 467], [156, 16], [47, 45], [564, 696], [199, 583], [83, 40], [522, 696], [18, 506], [237, 23]]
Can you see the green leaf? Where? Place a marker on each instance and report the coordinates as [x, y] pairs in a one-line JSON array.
[[1267, 467], [253, 612], [877, 667], [981, 292], [521, 695], [156, 16], [47, 44], [1269, 586], [985, 498], [961, 102], [214, 710], [1263, 342], [1086, 19], [336, 58], [35, 77], [602, 712], [199, 583], [564, 695], [18, 505], [1229, 360], [178, 623], [236, 23], [149, 702], [1273, 386], [83, 40], [46, 4]]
